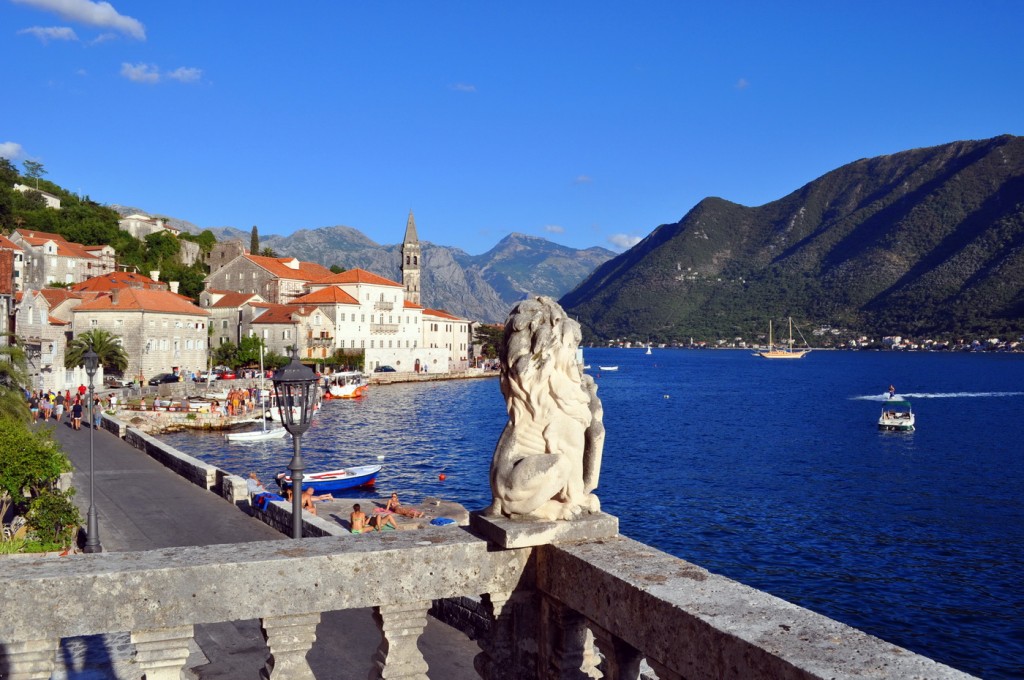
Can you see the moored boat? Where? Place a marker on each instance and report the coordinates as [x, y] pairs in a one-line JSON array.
[[897, 416], [345, 385], [257, 435], [608, 368], [334, 480]]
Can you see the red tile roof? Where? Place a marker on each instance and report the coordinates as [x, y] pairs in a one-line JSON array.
[[332, 295], [307, 271], [442, 314], [8, 243], [64, 247], [134, 299], [354, 276], [109, 282], [412, 305], [283, 313], [232, 299]]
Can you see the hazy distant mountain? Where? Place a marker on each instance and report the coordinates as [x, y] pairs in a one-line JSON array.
[[923, 241], [480, 287]]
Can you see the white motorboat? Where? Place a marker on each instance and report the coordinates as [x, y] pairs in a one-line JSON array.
[[345, 385], [257, 435], [608, 368], [897, 416]]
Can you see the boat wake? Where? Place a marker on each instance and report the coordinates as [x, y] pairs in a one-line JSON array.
[[936, 395]]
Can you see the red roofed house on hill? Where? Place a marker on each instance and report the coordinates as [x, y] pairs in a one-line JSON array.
[[276, 279], [49, 258], [161, 331]]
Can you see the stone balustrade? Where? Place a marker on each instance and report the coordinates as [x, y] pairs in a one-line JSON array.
[[545, 608]]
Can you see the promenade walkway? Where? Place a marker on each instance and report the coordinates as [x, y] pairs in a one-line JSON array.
[[143, 506]]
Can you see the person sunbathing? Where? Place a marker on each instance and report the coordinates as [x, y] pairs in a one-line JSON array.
[[360, 523], [394, 506]]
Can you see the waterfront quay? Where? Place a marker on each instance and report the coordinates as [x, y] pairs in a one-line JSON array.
[[192, 582]]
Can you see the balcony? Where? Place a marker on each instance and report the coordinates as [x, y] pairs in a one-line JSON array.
[[383, 328], [380, 305], [542, 609], [322, 341]]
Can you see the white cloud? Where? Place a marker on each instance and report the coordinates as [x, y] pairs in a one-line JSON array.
[[11, 151], [554, 229], [140, 73], [624, 241], [583, 179], [742, 84], [463, 87], [47, 33], [100, 14], [185, 74]]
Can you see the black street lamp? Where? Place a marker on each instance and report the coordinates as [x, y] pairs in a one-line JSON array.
[[295, 387], [92, 537]]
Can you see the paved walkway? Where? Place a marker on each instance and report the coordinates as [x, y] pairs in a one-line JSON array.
[[141, 505]]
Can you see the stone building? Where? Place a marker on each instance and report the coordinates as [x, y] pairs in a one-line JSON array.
[[140, 226], [50, 258], [223, 253], [108, 282], [161, 331], [276, 279], [442, 330], [17, 262], [44, 329], [230, 313], [284, 326]]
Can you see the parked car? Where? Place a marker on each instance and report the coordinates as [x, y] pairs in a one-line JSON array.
[[116, 381], [203, 376], [227, 375], [384, 369], [163, 378]]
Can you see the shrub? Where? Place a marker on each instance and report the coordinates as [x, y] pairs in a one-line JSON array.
[[54, 519]]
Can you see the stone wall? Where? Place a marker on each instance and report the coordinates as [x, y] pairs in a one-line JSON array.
[[194, 470]]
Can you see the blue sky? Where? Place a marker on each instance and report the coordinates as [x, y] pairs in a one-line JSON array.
[[588, 123]]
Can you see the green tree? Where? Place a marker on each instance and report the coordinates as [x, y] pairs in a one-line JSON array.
[[254, 241], [489, 339], [162, 249], [54, 518], [34, 170], [226, 354], [108, 346], [30, 463], [335, 269], [13, 378], [268, 252], [249, 351], [8, 173]]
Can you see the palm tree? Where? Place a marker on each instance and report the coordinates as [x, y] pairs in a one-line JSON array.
[[106, 345]]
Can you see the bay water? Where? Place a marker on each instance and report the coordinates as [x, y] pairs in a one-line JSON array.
[[770, 472]]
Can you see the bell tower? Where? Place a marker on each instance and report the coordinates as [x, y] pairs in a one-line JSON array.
[[410, 265]]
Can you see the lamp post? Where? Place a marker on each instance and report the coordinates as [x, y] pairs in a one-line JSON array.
[[295, 387], [92, 539]]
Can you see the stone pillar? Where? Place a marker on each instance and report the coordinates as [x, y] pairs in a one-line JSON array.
[[568, 649], [161, 653], [495, 660], [28, 660], [289, 639], [399, 655], [621, 660]]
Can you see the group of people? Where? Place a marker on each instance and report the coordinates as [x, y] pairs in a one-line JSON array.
[[46, 404], [242, 400], [358, 520]]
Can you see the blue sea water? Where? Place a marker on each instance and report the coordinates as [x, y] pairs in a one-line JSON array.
[[769, 472]]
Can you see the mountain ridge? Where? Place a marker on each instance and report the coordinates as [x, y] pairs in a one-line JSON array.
[[921, 241]]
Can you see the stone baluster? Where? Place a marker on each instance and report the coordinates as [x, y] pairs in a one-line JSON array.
[[289, 638], [399, 655], [27, 660], [161, 653], [621, 660], [569, 644], [495, 660]]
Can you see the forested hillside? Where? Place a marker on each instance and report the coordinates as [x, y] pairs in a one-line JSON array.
[[925, 241]]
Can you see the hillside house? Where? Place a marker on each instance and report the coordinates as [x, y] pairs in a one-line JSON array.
[[278, 280], [50, 200], [49, 258], [230, 313], [44, 328]]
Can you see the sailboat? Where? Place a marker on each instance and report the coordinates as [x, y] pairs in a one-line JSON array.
[[648, 352], [258, 435], [785, 353]]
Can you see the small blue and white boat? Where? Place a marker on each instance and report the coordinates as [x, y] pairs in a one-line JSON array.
[[334, 480]]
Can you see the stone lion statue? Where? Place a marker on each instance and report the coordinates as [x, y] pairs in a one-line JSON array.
[[548, 458]]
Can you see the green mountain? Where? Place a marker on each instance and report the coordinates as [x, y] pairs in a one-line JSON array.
[[927, 241]]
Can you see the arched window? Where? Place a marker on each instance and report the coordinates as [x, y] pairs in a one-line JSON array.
[[416, 260]]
